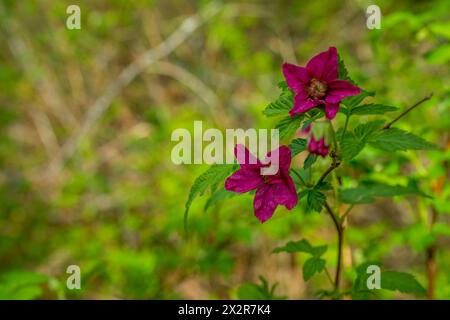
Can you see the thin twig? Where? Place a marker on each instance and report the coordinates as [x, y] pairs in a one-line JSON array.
[[340, 233], [401, 115], [334, 164]]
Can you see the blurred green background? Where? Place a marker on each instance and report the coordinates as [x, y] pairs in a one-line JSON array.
[[86, 118]]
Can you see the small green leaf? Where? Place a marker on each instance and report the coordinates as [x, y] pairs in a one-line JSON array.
[[310, 160], [298, 145], [351, 146], [370, 109], [312, 266], [315, 200], [295, 246], [211, 177], [289, 125], [302, 246], [401, 281], [354, 142], [368, 192], [394, 139], [353, 101], [279, 107]]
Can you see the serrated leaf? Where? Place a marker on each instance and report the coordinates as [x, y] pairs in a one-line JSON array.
[[354, 101], [295, 246], [355, 141], [279, 107], [367, 193], [310, 160], [298, 145], [315, 200], [342, 70], [371, 109], [351, 146], [401, 281], [302, 246], [289, 125], [364, 131], [395, 139], [214, 175], [312, 266]]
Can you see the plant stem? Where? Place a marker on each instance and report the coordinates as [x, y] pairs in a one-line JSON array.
[[340, 233], [334, 164], [345, 127], [401, 115], [431, 259]]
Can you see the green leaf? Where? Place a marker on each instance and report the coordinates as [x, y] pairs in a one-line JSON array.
[[355, 141], [217, 196], [279, 107], [312, 266], [342, 70], [310, 160], [263, 291], [289, 125], [210, 178], [295, 246], [315, 200], [351, 146], [394, 139], [364, 131], [367, 193], [298, 145], [302, 246], [370, 109], [353, 101], [21, 285], [359, 289], [401, 281]]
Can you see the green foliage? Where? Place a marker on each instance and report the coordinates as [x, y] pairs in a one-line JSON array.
[[312, 266], [288, 126], [209, 179], [401, 281], [301, 246], [310, 160], [368, 192], [297, 146], [395, 139], [21, 285], [263, 291], [280, 107], [372, 109]]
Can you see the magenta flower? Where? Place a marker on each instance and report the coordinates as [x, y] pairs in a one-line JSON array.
[[318, 84], [271, 190], [318, 147]]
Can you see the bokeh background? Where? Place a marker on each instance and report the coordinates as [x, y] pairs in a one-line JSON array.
[[86, 118]]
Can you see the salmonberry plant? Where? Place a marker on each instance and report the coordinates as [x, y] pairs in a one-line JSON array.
[[309, 103]]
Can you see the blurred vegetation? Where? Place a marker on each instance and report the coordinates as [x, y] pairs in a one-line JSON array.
[[96, 187]]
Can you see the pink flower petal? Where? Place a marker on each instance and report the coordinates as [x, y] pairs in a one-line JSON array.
[[263, 204], [340, 89], [269, 196], [331, 109], [245, 158], [296, 77], [324, 66], [244, 180], [282, 157], [303, 103]]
